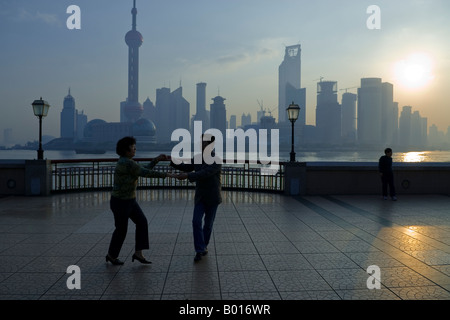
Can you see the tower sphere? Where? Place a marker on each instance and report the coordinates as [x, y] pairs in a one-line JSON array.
[[134, 38]]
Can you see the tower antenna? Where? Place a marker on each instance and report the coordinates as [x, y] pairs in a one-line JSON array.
[[134, 13]]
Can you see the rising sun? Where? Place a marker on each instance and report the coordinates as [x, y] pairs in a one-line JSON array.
[[415, 71]]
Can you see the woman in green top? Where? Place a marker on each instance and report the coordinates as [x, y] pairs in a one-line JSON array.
[[123, 200]]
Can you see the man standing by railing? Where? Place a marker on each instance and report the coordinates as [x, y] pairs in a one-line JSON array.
[[387, 174], [207, 177]]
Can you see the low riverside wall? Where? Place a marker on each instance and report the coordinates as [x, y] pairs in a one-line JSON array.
[[34, 177], [322, 178], [25, 177]]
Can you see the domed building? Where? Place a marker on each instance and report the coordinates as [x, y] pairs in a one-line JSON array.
[[106, 134], [144, 130], [89, 129]]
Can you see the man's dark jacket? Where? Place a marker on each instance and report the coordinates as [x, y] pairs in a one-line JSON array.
[[207, 179], [385, 165]]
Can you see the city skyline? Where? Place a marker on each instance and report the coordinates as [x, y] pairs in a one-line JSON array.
[[238, 55]]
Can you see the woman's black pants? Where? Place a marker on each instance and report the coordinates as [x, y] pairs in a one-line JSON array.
[[124, 210]]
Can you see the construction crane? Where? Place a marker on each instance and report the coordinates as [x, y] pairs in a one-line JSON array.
[[320, 79], [270, 111], [346, 89], [261, 106]]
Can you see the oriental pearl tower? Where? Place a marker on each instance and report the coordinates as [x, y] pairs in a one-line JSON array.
[[132, 109]]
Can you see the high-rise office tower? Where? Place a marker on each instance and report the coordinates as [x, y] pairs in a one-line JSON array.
[[149, 110], [395, 123], [404, 127], [163, 115], [233, 121], [131, 109], [289, 85], [418, 130], [218, 115], [376, 118], [68, 118], [328, 113], [172, 112], [348, 116], [80, 125], [246, 120], [201, 114], [182, 108], [387, 113], [369, 111]]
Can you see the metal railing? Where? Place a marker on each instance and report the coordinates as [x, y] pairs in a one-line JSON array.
[[94, 174]]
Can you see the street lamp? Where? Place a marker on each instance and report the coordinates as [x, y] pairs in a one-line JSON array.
[[40, 109], [293, 111]]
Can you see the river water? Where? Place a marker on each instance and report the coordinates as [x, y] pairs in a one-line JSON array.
[[302, 156]]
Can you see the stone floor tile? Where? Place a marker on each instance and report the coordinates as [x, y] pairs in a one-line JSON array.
[[331, 260], [134, 283], [246, 281], [284, 262], [367, 294], [345, 279], [422, 293], [310, 295], [249, 262], [299, 280], [196, 283]]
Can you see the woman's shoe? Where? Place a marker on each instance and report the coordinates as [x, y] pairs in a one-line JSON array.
[[140, 259], [116, 261]]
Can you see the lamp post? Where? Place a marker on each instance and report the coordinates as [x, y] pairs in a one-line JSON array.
[[293, 111], [40, 109]]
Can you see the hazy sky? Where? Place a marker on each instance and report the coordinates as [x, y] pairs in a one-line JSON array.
[[235, 46]]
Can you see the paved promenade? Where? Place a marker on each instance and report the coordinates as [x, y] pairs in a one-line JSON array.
[[265, 246]]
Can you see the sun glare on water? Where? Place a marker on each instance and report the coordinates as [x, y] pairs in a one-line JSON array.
[[415, 71], [413, 157]]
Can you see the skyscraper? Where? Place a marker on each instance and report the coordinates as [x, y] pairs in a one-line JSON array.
[[369, 111], [348, 117], [404, 127], [68, 118], [289, 85], [131, 109], [80, 125], [328, 113], [218, 115], [233, 121], [201, 114], [376, 118], [180, 118], [149, 110], [395, 122], [246, 120], [172, 112], [387, 116]]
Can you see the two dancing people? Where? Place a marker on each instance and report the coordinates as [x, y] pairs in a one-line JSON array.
[[124, 206]]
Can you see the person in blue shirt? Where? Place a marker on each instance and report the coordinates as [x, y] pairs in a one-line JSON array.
[[207, 178], [387, 174]]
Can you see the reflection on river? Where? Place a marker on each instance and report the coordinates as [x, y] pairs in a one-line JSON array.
[[413, 157], [301, 156]]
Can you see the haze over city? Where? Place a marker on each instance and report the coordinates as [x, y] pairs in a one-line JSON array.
[[235, 47]]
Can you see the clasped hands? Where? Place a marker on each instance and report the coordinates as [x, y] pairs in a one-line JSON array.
[[179, 176]]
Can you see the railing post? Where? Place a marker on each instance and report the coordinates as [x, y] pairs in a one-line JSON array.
[[38, 177], [295, 178]]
